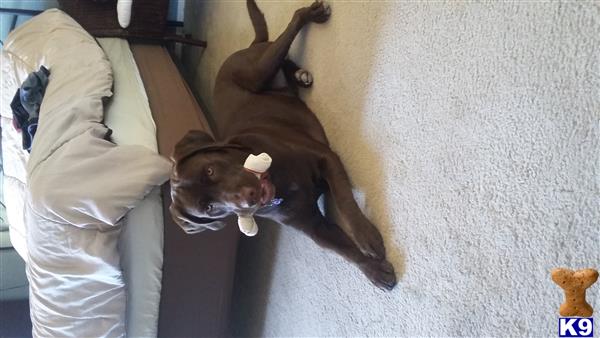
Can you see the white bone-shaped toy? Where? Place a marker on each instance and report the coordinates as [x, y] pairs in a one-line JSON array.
[[258, 165], [124, 12], [247, 225]]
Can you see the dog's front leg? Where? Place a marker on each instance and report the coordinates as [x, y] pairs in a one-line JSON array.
[[351, 219], [331, 236]]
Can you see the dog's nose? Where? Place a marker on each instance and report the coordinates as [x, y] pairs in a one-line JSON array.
[[247, 196]]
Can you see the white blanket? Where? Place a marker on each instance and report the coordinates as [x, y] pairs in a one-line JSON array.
[[80, 186]]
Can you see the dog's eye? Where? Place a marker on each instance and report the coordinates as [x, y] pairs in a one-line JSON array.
[[210, 171], [209, 207]]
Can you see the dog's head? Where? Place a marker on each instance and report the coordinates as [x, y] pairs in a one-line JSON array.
[[209, 183]]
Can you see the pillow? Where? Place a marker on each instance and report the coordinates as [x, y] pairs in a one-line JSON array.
[[91, 183]]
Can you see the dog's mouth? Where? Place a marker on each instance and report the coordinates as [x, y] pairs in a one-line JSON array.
[[267, 190]]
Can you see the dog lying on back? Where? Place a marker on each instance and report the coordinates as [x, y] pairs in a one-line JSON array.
[[252, 116]]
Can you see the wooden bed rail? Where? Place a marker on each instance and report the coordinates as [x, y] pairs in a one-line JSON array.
[[198, 270]]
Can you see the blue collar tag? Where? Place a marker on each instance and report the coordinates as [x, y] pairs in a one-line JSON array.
[[275, 202]]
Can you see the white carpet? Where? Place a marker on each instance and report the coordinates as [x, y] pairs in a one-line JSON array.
[[471, 132]]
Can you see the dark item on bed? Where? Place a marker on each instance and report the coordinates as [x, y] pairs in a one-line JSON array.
[[209, 182], [148, 20], [26, 105]]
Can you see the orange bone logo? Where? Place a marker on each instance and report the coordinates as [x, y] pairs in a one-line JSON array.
[[574, 283]]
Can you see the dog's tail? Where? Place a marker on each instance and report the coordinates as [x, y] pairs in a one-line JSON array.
[[258, 21]]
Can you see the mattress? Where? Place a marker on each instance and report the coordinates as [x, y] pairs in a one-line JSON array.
[[141, 243]]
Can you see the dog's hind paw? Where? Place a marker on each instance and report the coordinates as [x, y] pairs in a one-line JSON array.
[[319, 11], [303, 78], [326, 7]]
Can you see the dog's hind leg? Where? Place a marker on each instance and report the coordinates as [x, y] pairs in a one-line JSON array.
[[257, 76], [258, 22]]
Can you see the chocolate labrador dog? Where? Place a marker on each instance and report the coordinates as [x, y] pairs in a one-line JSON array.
[[253, 115]]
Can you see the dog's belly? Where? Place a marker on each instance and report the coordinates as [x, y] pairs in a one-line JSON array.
[[279, 81]]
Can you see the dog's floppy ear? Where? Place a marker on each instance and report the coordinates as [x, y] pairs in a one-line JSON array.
[[192, 142], [192, 224]]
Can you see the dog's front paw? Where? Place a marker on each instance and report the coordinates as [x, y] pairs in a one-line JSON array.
[[303, 78], [381, 273], [370, 242]]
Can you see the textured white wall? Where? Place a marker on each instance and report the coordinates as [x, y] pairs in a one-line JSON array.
[[472, 132]]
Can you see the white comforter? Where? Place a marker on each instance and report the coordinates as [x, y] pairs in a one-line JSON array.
[[80, 186]]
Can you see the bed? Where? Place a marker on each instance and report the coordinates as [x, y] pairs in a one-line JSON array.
[[165, 283]]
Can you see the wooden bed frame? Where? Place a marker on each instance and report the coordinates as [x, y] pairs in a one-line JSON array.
[[198, 270]]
